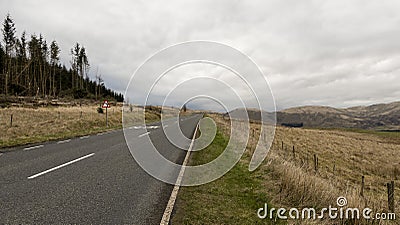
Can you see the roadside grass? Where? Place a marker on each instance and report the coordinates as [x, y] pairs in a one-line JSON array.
[[287, 181], [231, 199], [33, 125], [343, 158]]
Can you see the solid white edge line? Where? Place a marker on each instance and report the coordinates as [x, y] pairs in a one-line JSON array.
[[33, 147], [142, 135], [65, 141], [171, 202], [85, 137], [60, 166]]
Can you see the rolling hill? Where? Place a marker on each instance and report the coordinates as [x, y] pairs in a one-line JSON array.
[[378, 116]]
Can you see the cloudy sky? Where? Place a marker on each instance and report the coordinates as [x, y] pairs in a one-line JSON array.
[[338, 53]]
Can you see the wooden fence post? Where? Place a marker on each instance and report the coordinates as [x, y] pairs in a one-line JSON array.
[[282, 145], [315, 163], [294, 153], [362, 186], [11, 120], [334, 168], [390, 189], [392, 202]]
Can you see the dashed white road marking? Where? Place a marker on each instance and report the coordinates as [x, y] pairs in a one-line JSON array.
[[60, 166], [165, 126], [65, 141], [100, 134], [142, 135], [171, 202], [1, 154], [143, 127], [85, 137], [33, 147]]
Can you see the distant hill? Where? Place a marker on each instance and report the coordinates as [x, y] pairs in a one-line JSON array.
[[379, 116], [253, 115]]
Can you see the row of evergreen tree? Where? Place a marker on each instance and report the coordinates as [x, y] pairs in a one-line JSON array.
[[32, 68]]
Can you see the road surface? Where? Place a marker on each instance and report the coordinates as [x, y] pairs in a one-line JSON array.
[[86, 180]]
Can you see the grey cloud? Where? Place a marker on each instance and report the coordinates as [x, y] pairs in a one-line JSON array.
[[338, 53]]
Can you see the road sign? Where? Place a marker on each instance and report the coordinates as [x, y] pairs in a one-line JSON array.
[[105, 104]]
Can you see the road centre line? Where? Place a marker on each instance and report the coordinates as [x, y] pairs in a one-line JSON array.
[[33, 147], [60, 166], [65, 141], [142, 135]]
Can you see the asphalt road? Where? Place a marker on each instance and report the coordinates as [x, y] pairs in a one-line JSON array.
[[86, 180]]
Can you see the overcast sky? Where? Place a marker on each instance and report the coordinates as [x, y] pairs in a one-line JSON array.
[[336, 53]]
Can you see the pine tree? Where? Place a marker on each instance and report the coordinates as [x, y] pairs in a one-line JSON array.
[[33, 50], [75, 66], [2, 57], [43, 51], [22, 64], [9, 42], [54, 57], [83, 65]]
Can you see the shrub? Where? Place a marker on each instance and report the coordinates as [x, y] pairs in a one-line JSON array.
[[79, 93]]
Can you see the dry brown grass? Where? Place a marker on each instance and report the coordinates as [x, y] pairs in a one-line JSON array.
[[50, 123], [32, 125], [344, 157]]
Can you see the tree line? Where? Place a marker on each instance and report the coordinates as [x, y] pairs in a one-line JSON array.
[[31, 67]]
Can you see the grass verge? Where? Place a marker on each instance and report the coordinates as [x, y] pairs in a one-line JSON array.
[[290, 179], [231, 199]]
